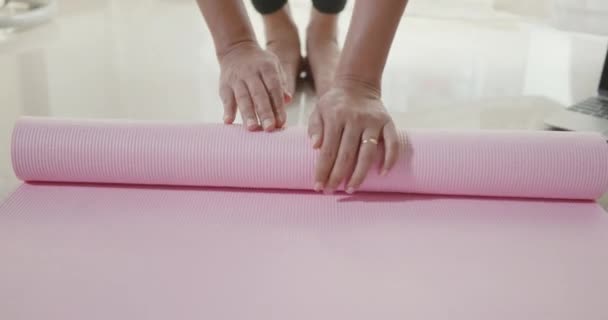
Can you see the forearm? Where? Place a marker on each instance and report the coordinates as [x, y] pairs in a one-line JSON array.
[[228, 22], [368, 42]]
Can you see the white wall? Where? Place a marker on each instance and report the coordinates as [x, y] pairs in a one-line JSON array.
[[576, 15]]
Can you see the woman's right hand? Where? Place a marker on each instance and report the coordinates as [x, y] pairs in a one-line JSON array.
[[251, 78]]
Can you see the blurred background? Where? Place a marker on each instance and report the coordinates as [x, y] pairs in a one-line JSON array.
[[159, 53], [490, 64]]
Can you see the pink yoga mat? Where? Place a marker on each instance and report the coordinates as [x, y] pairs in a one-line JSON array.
[[143, 220], [555, 165]]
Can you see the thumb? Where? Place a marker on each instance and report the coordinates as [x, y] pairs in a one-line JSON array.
[[315, 129], [287, 96]]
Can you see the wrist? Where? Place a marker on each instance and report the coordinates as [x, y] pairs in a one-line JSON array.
[[235, 45], [359, 85]]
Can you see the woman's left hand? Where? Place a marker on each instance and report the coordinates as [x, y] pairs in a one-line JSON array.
[[348, 123]]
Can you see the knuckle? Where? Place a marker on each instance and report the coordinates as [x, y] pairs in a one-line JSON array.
[[274, 84], [242, 97], [271, 56], [340, 112], [268, 67], [224, 89], [261, 102], [333, 117], [385, 119], [313, 128], [359, 118], [393, 145], [246, 107], [225, 76], [250, 69], [262, 106], [261, 97], [225, 97], [227, 104], [315, 116], [277, 102], [368, 157], [347, 156], [328, 153], [374, 118]]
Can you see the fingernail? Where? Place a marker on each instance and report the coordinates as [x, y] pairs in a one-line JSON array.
[[251, 123], [267, 124], [314, 140], [384, 173], [318, 186], [350, 190], [287, 97], [226, 118]]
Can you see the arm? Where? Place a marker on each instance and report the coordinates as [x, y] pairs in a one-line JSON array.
[[251, 78], [229, 24], [368, 42], [350, 119]]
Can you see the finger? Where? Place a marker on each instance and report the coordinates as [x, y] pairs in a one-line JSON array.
[[391, 147], [229, 103], [346, 159], [286, 94], [366, 158], [287, 98], [315, 129], [273, 85], [261, 102], [245, 105], [327, 155]]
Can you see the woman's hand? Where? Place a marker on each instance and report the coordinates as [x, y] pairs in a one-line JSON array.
[[347, 125], [252, 79]]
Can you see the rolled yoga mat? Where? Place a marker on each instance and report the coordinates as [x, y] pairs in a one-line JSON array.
[[156, 220], [556, 165]]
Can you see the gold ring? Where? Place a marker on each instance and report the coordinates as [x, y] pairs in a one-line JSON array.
[[370, 140]]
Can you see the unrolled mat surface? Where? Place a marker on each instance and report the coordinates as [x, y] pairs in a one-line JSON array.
[[148, 220]]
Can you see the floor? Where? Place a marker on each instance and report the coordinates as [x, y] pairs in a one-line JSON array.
[[450, 67]]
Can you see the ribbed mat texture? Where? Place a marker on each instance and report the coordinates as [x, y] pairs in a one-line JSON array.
[[554, 165], [152, 220]]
